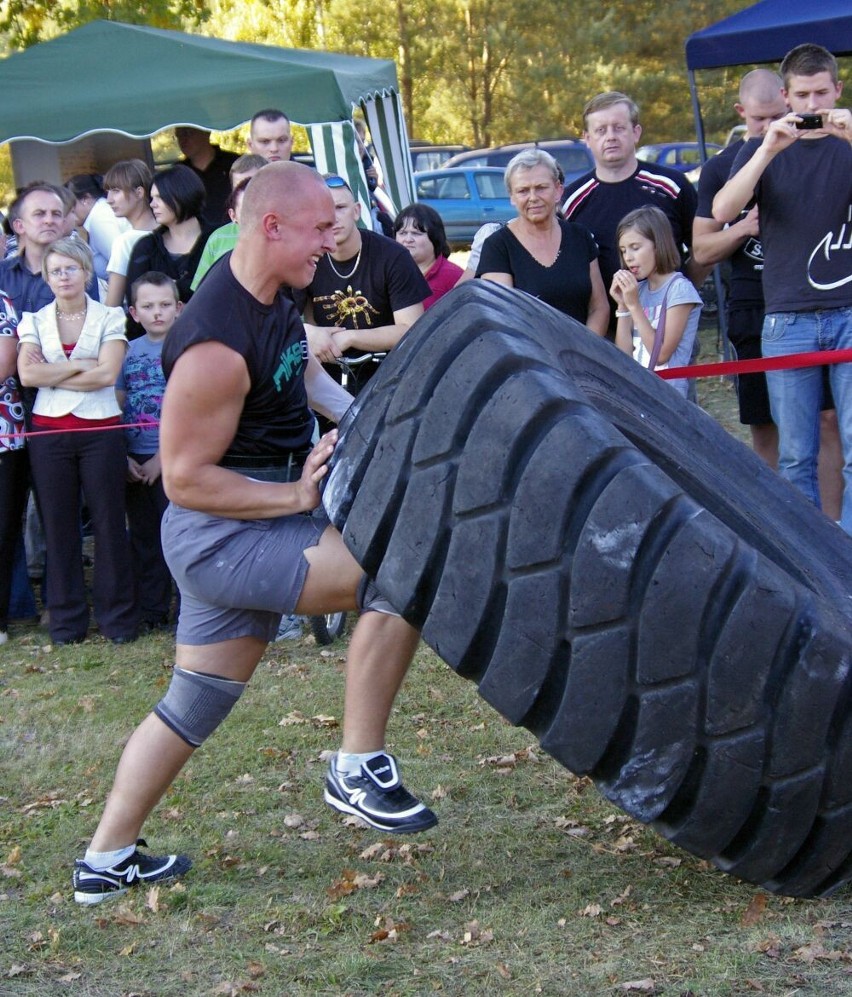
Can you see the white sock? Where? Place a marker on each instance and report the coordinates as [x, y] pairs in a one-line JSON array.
[[350, 764], [107, 860]]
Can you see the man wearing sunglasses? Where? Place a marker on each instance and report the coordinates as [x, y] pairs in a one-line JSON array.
[[241, 476], [365, 295]]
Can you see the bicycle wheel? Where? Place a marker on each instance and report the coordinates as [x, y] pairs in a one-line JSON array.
[[326, 629]]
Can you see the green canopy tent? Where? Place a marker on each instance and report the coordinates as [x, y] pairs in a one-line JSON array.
[[135, 81]]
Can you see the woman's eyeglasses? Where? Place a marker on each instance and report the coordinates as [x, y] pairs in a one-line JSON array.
[[70, 271]]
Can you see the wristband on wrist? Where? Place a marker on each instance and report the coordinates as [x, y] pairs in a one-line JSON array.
[[621, 314]]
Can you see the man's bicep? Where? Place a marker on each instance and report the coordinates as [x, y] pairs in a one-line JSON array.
[[202, 404]]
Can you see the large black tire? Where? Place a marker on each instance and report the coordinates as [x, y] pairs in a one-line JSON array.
[[618, 575]]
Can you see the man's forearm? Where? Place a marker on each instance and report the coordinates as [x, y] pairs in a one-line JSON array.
[[739, 190]]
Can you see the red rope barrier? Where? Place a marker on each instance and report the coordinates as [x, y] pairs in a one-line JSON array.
[[81, 429], [790, 362]]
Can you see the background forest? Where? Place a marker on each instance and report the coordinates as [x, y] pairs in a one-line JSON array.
[[479, 72]]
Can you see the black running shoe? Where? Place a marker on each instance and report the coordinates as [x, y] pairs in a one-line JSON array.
[[377, 796], [91, 886]]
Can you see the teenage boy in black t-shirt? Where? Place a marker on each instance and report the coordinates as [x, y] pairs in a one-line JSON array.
[[364, 296]]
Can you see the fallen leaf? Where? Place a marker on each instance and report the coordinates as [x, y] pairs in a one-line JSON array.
[[668, 862], [292, 720], [640, 986], [474, 935], [592, 910], [14, 857], [364, 882], [755, 910], [813, 952], [458, 896], [500, 761], [389, 931], [152, 899], [770, 946], [351, 881], [293, 820]]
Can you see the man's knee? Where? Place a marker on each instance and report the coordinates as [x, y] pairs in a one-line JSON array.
[[195, 704], [369, 599]]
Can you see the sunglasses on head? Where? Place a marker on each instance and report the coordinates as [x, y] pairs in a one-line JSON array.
[[332, 180]]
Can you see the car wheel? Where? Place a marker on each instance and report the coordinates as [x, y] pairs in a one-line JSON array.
[[617, 575]]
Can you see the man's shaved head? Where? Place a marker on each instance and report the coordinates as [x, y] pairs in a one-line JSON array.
[[760, 85], [279, 187], [286, 224]]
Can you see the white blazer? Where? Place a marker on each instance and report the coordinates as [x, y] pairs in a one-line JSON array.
[[102, 324]]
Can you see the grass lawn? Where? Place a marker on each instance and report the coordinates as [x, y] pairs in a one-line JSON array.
[[530, 884]]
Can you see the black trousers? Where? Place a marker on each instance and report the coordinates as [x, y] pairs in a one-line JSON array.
[[145, 507], [14, 479], [94, 464]]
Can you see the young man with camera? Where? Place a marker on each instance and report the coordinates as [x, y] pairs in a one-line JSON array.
[[800, 177]]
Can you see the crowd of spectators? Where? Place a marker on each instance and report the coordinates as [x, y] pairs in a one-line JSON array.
[[103, 262]]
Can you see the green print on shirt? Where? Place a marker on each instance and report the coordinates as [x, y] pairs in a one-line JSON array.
[[290, 364]]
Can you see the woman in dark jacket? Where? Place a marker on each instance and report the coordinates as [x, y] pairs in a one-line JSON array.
[[176, 244]]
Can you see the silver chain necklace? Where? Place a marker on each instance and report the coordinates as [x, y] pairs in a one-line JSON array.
[[346, 276]]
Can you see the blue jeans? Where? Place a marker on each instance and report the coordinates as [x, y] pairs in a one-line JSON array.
[[796, 396]]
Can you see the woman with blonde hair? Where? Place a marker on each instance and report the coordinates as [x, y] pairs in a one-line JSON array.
[[540, 253], [71, 351]]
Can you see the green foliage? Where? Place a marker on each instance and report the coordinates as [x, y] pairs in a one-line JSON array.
[[473, 71], [25, 22]]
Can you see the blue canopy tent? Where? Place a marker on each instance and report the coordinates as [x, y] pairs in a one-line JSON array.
[[765, 33]]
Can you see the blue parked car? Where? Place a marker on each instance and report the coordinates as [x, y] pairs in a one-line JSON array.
[[465, 199], [682, 156], [572, 155]]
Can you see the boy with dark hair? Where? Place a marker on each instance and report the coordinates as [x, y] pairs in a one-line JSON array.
[[139, 388]]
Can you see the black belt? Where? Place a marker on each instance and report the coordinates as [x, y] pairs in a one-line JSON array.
[[267, 467]]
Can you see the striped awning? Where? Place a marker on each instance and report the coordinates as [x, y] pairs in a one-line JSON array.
[[335, 148]]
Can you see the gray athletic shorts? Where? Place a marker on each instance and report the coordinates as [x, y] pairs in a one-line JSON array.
[[237, 577]]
